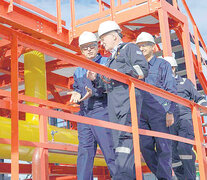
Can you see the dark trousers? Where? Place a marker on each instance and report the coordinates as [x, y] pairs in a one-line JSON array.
[[157, 152], [89, 136], [119, 112], [183, 158]]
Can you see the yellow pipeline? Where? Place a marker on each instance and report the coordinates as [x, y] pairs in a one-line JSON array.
[[30, 132]]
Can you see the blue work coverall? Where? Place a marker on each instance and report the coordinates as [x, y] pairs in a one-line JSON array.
[[127, 59], [183, 156], [89, 136], [157, 152]]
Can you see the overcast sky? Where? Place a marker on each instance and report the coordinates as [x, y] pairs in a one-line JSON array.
[[88, 7]]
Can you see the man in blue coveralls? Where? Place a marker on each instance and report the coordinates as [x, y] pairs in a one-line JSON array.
[[128, 59], [183, 158], [93, 107], [157, 112]]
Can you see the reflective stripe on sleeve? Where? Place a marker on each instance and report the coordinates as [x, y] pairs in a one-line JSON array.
[[186, 156], [177, 164], [201, 101], [138, 70], [122, 150]]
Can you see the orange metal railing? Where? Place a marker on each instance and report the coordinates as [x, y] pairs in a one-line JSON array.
[[198, 38], [53, 51], [18, 38]]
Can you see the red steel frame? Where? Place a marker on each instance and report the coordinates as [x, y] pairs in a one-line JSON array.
[[55, 33]]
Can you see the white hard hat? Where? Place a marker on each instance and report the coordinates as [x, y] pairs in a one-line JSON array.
[[108, 26], [87, 37], [171, 60], [145, 37]]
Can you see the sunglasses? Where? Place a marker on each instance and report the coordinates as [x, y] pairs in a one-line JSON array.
[[91, 46]]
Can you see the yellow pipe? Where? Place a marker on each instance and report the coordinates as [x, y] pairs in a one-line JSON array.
[[30, 132], [35, 80]]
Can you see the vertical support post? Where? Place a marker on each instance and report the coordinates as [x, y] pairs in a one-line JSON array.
[[195, 30], [165, 32], [135, 131], [72, 9], [199, 140], [100, 6], [187, 52], [112, 10], [40, 157], [118, 2], [10, 8], [14, 110], [59, 21], [44, 138], [204, 128]]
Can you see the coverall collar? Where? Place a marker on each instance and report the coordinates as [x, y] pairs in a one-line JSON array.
[[97, 58], [113, 52], [178, 78], [152, 61]]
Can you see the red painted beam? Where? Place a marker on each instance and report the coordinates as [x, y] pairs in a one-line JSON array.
[[59, 80], [4, 42], [55, 93], [5, 168], [57, 64]]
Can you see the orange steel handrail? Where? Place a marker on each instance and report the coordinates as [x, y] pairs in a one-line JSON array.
[[45, 44], [107, 71], [197, 36], [33, 43], [107, 11], [72, 58], [37, 10], [80, 119], [193, 22]]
